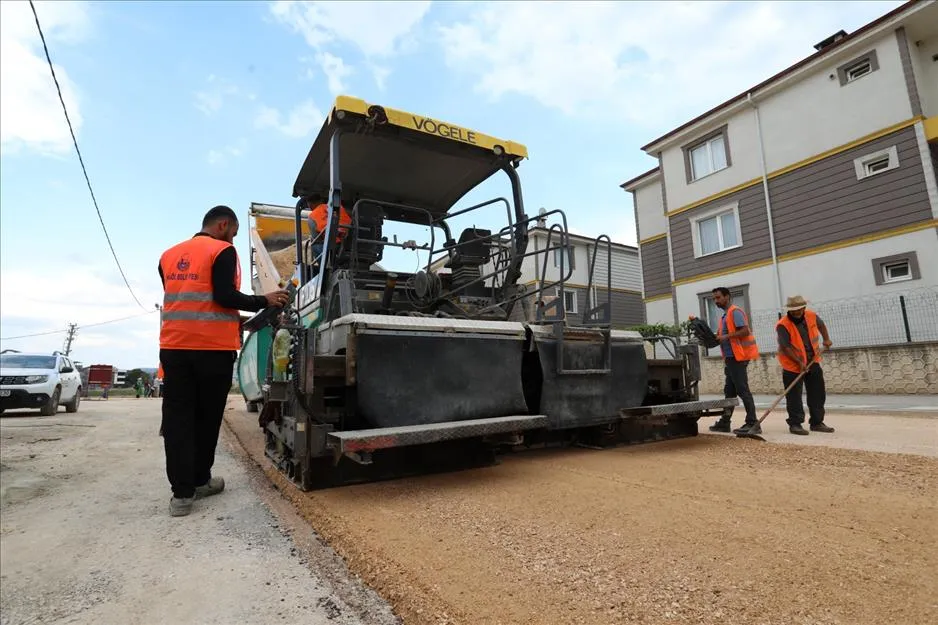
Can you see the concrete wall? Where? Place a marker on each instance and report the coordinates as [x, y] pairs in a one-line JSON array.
[[659, 311], [886, 369]]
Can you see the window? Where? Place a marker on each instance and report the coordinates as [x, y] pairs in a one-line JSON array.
[[712, 314], [896, 268], [707, 155], [855, 69], [708, 158], [876, 163], [897, 272], [569, 300], [859, 70], [716, 231], [568, 261]]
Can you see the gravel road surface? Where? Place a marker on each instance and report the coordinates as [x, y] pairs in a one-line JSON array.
[[86, 538], [707, 530]]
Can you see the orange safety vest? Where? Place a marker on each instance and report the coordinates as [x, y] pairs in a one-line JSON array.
[[191, 318], [797, 343], [320, 214], [744, 348]]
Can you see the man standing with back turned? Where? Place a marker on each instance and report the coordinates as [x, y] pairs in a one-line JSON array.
[[200, 334], [738, 346]]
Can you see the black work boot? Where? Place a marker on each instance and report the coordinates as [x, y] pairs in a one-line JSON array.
[[723, 425], [798, 429], [749, 428], [820, 427]]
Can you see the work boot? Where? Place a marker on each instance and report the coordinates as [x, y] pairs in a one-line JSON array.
[[180, 506], [723, 425], [749, 428], [214, 486], [820, 427], [798, 429]]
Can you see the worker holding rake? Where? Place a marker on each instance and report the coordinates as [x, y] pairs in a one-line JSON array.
[[799, 336]]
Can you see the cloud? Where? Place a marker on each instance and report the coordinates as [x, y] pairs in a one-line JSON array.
[[302, 121], [336, 71], [217, 157], [84, 294], [30, 112], [378, 30], [637, 62], [211, 99]]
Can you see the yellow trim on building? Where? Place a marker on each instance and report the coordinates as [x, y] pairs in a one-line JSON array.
[[656, 298], [931, 128], [657, 237], [878, 236], [434, 127], [804, 163]]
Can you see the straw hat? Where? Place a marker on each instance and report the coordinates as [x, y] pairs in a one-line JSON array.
[[795, 303]]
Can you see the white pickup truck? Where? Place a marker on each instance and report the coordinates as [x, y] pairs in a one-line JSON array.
[[40, 381]]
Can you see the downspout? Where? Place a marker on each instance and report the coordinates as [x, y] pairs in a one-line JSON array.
[[768, 206]]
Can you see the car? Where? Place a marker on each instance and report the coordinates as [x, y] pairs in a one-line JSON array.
[[40, 381]]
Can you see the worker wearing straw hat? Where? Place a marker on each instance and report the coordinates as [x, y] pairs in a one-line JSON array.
[[799, 335]]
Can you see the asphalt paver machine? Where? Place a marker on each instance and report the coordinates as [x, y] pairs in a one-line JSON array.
[[371, 374]]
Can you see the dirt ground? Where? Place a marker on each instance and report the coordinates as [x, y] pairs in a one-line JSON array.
[[86, 538], [707, 530]]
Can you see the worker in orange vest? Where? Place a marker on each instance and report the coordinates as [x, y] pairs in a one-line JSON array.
[[799, 339], [738, 347], [319, 215], [200, 334]]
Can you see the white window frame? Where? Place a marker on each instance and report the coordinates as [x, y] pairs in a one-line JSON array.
[[861, 165], [708, 145], [566, 292], [570, 256], [716, 212], [887, 279], [851, 77]]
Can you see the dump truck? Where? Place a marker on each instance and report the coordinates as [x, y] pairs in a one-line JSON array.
[[371, 374]]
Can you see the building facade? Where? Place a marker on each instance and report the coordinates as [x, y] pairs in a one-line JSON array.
[[820, 181], [622, 288]]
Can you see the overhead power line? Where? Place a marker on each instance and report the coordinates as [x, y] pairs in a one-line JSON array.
[[77, 327], [81, 161]]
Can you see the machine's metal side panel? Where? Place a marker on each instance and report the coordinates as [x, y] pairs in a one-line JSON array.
[[415, 380], [399, 322], [384, 438], [585, 400], [687, 407]]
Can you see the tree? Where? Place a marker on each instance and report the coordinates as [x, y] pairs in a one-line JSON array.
[[131, 377]]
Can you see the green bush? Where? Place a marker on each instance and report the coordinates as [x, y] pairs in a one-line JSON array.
[[663, 329]]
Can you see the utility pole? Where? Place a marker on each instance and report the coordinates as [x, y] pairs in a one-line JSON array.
[[72, 329]]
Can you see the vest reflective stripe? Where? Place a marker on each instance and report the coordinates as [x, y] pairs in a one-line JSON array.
[[797, 343], [191, 319], [186, 297], [744, 348], [192, 315]]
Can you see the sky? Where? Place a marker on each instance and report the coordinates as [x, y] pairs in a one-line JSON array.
[[179, 106]]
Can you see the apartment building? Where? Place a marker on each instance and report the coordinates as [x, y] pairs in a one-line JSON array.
[[616, 267], [624, 281], [819, 181]]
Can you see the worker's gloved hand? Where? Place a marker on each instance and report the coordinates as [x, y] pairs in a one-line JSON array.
[[277, 298]]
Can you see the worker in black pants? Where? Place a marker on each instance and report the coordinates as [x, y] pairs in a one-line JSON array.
[[200, 334]]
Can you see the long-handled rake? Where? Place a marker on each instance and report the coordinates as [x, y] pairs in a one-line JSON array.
[[781, 397]]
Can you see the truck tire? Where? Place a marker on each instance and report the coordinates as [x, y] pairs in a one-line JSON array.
[[72, 406], [52, 406]]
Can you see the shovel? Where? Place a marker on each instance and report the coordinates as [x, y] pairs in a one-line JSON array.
[[781, 397]]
